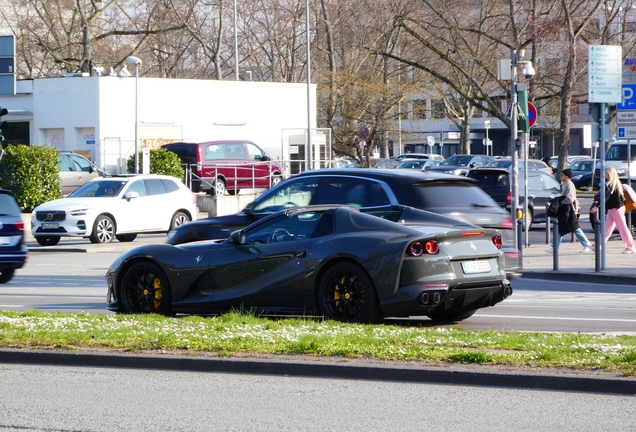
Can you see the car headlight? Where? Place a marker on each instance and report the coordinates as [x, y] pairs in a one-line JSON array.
[[621, 171], [80, 212], [577, 177]]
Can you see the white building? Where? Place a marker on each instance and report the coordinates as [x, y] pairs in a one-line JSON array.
[[95, 115]]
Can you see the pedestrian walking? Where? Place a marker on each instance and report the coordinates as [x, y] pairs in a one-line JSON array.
[[615, 210], [568, 214]]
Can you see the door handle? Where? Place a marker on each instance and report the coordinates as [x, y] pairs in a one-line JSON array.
[[302, 254]]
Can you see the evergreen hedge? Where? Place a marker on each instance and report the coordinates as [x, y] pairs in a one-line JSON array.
[[162, 161]]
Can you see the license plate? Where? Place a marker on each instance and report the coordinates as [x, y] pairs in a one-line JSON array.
[[49, 225], [473, 267], [4, 241]]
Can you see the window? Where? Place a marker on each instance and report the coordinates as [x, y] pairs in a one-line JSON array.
[[437, 109], [214, 152], [419, 109], [235, 151], [155, 187], [81, 164], [295, 227], [64, 163], [254, 152], [137, 186]]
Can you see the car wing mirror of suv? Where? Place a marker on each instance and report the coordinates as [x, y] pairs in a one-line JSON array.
[[130, 195]]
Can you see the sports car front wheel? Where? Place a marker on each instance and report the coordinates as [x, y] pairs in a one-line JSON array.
[[145, 289], [346, 293]]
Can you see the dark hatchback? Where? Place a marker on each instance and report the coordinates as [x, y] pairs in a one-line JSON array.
[[370, 190], [497, 183], [13, 251]]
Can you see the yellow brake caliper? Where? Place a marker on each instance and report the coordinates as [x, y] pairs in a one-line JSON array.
[[336, 295], [157, 285]]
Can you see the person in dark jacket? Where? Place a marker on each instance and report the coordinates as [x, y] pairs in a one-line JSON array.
[[565, 208]]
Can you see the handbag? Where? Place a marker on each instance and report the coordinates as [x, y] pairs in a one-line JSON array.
[[629, 195]]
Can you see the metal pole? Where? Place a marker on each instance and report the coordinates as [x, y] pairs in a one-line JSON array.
[[236, 60], [629, 178], [513, 144], [601, 216], [136, 118], [525, 186], [309, 149]]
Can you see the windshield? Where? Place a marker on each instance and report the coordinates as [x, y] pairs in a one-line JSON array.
[[457, 160], [618, 152], [102, 188]]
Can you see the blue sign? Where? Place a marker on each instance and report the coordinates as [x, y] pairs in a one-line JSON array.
[[629, 98], [621, 132], [90, 141]]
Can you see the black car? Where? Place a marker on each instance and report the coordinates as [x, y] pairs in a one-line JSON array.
[[582, 173], [13, 251], [497, 183], [460, 164], [369, 190], [330, 260]]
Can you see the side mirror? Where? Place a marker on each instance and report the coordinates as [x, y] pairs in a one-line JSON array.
[[130, 195], [238, 236]]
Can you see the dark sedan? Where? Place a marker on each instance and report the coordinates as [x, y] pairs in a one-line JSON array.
[[497, 183], [460, 164], [13, 251], [321, 260], [368, 190]]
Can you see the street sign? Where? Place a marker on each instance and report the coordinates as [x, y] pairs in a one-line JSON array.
[[363, 133], [604, 74], [532, 114], [628, 101], [627, 132], [430, 140], [626, 117]]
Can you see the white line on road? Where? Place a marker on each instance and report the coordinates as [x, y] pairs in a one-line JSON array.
[[557, 318]]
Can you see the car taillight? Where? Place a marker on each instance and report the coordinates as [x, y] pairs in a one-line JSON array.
[[416, 248], [507, 223], [509, 198], [496, 240], [471, 233], [19, 225], [194, 198]]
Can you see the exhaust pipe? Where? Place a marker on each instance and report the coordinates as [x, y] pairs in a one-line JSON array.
[[436, 298], [507, 292], [424, 298]]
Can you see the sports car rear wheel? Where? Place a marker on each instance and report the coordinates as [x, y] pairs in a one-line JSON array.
[[145, 289], [452, 316], [346, 293]]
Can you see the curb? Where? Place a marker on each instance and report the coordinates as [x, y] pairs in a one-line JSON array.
[[600, 278], [330, 368]]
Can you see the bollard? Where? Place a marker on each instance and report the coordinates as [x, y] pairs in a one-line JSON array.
[[519, 235], [555, 247], [547, 224], [597, 243]]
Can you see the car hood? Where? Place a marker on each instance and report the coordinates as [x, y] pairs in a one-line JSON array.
[[75, 203]]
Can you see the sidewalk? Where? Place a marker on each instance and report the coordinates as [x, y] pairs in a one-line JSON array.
[[575, 266]]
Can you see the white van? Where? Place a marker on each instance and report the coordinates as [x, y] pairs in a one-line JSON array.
[[616, 156]]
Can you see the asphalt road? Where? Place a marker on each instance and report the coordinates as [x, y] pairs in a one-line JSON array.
[[47, 398]]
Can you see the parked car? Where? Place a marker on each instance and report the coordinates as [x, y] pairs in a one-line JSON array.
[[582, 173], [369, 190], [346, 162], [419, 156], [386, 164], [13, 251], [418, 163], [115, 207], [75, 171], [554, 160], [220, 166], [460, 164], [332, 261], [533, 164], [497, 183]]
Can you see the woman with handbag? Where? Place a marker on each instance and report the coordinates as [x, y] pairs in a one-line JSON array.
[[615, 210]]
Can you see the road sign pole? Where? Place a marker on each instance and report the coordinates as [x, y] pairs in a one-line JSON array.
[[601, 242]]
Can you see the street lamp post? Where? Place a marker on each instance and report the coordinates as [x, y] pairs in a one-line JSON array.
[[487, 143], [136, 61]]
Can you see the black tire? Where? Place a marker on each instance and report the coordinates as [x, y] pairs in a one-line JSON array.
[[233, 191], [124, 238], [47, 241], [529, 220], [144, 288], [103, 230], [346, 293], [275, 180], [452, 316], [6, 275], [179, 219]]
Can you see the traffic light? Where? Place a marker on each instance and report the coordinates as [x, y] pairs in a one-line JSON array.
[[3, 124]]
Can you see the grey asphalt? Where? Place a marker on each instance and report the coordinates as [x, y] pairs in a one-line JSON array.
[[572, 266]]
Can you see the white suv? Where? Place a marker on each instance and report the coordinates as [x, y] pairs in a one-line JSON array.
[[115, 207]]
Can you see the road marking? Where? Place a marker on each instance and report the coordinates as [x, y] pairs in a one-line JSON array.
[[558, 318]]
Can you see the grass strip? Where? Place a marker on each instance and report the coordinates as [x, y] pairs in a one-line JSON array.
[[234, 332]]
